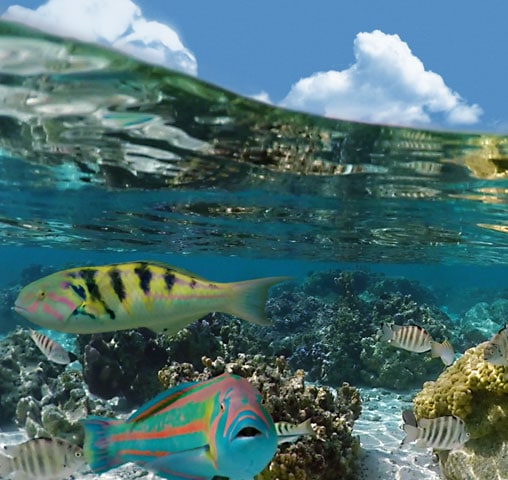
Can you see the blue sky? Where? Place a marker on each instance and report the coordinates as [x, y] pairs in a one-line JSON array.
[[433, 63]]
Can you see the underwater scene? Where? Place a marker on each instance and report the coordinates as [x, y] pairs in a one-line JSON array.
[[197, 285]]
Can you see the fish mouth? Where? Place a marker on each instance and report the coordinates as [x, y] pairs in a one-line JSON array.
[[19, 308], [247, 432]]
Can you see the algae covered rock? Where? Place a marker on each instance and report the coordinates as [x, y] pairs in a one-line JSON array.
[[332, 453], [477, 392]]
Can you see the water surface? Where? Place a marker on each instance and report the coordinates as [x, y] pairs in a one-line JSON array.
[[101, 152]]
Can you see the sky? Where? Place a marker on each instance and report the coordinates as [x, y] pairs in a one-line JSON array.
[[433, 64]]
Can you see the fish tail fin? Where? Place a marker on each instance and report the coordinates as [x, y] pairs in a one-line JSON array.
[[409, 418], [443, 350], [386, 332], [96, 446], [412, 433], [249, 299], [306, 427]]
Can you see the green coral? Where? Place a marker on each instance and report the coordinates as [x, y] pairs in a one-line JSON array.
[[476, 391]]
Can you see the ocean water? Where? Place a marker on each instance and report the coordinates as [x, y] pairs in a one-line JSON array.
[[104, 159]]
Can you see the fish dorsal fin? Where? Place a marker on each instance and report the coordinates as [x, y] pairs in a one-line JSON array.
[[161, 401], [409, 418]]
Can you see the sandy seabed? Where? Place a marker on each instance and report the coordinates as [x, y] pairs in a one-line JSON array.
[[381, 434]]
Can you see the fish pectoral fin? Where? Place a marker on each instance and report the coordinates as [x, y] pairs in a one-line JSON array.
[[194, 464], [87, 310]]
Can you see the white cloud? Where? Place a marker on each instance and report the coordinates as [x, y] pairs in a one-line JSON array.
[[116, 23], [386, 84], [262, 97]]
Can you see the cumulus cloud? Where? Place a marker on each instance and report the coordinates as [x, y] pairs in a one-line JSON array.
[[116, 23], [386, 84], [262, 97]]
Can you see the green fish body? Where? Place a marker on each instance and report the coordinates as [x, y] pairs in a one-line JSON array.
[[123, 296]]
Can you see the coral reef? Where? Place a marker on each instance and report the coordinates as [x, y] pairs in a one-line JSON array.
[[477, 392], [480, 322], [328, 327], [125, 363], [332, 453], [43, 397], [23, 371]]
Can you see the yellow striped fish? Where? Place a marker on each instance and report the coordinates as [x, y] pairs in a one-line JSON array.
[[122, 296]]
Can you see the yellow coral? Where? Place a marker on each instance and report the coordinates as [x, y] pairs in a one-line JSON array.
[[472, 389]]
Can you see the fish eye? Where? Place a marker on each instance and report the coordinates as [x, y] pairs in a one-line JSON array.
[[42, 294], [78, 454], [222, 407]]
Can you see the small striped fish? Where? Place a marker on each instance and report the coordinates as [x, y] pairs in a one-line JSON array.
[[415, 339], [441, 433], [52, 350], [496, 351], [289, 432], [40, 459], [134, 295]]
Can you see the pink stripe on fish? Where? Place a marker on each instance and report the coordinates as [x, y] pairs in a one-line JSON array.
[[59, 299], [51, 311], [33, 308]]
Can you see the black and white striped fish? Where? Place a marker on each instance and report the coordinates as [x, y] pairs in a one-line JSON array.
[[496, 351], [442, 433], [40, 459], [289, 432], [52, 350], [415, 339]]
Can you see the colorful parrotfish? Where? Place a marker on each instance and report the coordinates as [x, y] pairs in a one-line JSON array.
[[193, 431], [138, 294]]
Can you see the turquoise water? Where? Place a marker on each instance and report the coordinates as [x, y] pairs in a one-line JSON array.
[[104, 159]]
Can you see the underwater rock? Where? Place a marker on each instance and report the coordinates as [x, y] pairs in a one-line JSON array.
[[333, 283], [122, 363], [24, 371], [126, 363], [332, 453], [481, 321], [402, 286], [43, 397], [477, 392], [59, 411]]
